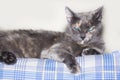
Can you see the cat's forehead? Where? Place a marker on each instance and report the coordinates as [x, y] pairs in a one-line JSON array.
[[85, 17], [85, 20]]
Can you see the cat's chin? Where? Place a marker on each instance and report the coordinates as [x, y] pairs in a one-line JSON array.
[[81, 43]]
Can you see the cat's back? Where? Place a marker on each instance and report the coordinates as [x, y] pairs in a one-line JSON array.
[[37, 36], [28, 41], [29, 33]]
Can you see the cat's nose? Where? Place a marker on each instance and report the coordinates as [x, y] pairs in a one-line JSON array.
[[82, 37]]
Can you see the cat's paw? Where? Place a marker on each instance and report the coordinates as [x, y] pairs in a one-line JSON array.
[[89, 51], [8, 57], [85, 51], [74, 68]]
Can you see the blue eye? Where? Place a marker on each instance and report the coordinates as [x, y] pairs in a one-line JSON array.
[[77, 29], [91, 28]]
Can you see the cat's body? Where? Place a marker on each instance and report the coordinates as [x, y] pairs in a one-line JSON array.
[[62, 47], [30, 43]]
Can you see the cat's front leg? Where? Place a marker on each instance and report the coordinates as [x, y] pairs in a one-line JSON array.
[[7, 57], [62, 54], [71, 64]]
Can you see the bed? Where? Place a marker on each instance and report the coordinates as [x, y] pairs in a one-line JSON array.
[[93, 67]]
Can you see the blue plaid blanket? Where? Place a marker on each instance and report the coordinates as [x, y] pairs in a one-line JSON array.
[[95, 67]]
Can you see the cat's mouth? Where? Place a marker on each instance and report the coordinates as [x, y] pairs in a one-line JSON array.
[[82, 43]]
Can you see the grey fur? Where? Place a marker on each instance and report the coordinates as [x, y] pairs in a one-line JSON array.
[[62, 47], [79, 25]]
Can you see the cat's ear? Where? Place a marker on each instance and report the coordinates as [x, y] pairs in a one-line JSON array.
[[69, 14], [97, 15]]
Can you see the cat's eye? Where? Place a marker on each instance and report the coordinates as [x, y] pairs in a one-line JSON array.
[[76, 28], [92, 28]]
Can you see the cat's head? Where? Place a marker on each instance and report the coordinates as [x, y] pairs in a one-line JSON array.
[[85, 26]]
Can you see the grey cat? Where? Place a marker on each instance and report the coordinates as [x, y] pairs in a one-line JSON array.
[[83, 36]]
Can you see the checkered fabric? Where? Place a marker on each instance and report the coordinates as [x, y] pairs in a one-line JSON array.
[[95, 67]]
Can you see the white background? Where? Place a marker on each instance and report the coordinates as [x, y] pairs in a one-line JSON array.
[[50, 15]]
